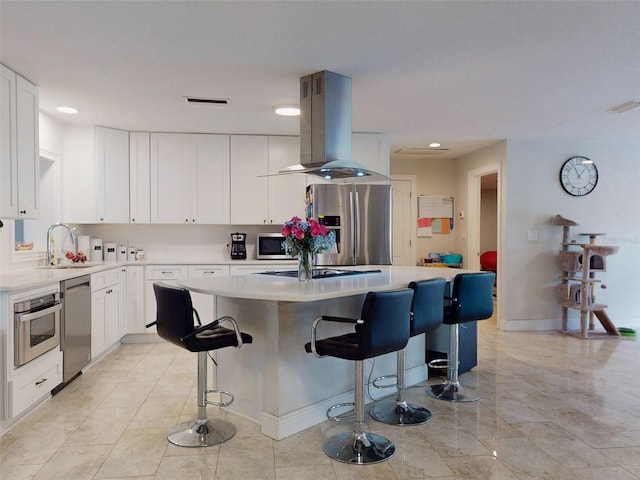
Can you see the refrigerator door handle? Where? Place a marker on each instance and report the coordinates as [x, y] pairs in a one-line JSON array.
[[354, 237], [358, 222]]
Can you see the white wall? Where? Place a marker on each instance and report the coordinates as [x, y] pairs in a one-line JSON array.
[[488, 221], [533, 196], [435, 176]]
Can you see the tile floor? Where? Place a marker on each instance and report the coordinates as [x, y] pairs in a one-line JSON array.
[[553, 407]]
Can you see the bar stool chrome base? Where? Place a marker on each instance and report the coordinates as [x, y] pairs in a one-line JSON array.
[[393, 412], [361, 449], [450, 391], [201, 433]]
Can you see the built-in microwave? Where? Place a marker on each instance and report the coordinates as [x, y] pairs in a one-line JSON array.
[[36, 327], [269, 247]]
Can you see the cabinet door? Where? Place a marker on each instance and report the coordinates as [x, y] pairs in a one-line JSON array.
[[210, 179], [250, 193], [170, 178], [8, 154], [98, 315], [134, 300], [79, 177], [112, 170], [28, 150], [286, 192], [372, 151], [139, 195], [113, 315]]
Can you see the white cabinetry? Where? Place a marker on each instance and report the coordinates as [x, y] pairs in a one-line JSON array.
[[139, 180], [372, 151], [260, 200], [189, 178], [19, 151], [134, 299], [23, 387], [107, 310], [170, 274], [249, 160], [96, 175]]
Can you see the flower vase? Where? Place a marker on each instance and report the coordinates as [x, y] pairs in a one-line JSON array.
[[305, 266]]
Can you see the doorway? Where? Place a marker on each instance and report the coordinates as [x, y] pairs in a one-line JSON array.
[[404, 215], [484, 219]]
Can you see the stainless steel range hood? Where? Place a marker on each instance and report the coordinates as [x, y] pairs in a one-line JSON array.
[[325, 130]]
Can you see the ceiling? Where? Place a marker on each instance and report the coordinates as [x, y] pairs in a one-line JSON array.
[[465, 74]]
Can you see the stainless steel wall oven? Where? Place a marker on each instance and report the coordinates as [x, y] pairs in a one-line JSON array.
[[36, 327]]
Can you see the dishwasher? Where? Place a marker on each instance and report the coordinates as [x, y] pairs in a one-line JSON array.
[[75, 332]]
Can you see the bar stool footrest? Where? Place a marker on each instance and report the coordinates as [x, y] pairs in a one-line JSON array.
[[341, 416], [222, 393], [376, 381]]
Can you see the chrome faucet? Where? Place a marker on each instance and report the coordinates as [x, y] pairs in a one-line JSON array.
[[51, 228]]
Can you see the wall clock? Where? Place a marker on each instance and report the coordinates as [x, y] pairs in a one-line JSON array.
[[578, 176]]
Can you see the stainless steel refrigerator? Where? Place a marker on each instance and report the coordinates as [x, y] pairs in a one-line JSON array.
[[361, 218]]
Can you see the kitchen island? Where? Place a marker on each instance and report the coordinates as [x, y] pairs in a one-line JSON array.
[[275, 382]]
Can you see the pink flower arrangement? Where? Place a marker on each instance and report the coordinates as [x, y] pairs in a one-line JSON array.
[[310, 236]]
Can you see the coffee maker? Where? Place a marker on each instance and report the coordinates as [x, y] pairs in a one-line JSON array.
[[238, 246]]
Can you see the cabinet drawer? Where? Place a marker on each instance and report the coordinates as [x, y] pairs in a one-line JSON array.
[[35, 382], [165, 272], [104, 279], [207, 271]]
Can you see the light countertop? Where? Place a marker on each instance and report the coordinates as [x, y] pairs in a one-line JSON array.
[[34, 277], [287, 289]]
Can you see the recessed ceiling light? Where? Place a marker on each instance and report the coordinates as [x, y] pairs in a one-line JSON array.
[[434, 145], [287, 110], [67, 110]]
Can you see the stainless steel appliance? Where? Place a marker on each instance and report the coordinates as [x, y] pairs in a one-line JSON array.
[[76, 325], [361, 218], [269, 247], [325, 130], [322, 273], [238, 246], [36, 327]]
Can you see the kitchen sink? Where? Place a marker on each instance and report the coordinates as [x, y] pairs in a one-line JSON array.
[[63, 266]]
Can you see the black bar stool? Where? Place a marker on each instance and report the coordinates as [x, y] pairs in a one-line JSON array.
[[175, 324], [382, 328], [471, 300], [426, 315]]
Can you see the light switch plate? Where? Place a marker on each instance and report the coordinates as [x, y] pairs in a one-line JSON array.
[[532, 235]]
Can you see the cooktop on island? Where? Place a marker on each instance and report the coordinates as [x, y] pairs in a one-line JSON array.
[[322, 273]]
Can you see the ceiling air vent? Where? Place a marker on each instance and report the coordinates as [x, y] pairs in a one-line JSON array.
[[421, 151], [208, 101]]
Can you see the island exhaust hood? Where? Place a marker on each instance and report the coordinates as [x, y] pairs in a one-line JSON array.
[[325, 130]]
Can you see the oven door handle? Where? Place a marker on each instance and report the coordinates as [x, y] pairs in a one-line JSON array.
[[27, 317]]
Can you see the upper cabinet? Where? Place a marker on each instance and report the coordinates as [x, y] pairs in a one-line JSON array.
[[139, 179], [96, 175], [19, 151], [249, 188], [286, 192], [372, 151], [257, 199], [189, 178]]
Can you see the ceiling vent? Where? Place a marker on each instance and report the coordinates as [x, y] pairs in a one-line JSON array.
[[208, 101], [421, 151]]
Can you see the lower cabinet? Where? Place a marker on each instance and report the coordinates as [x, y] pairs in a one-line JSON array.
[[34, 381], [170, 274], [134, 299], [107, 310]]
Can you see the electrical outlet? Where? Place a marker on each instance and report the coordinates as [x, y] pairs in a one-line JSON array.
[[532, 235]]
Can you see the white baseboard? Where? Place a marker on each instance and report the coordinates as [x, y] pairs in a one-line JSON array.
[[301, 419]]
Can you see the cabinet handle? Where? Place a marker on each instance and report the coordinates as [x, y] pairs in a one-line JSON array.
[[41, 381], [186, 219], [193, 220], [102, 219], [209, 272], [133, 220]]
